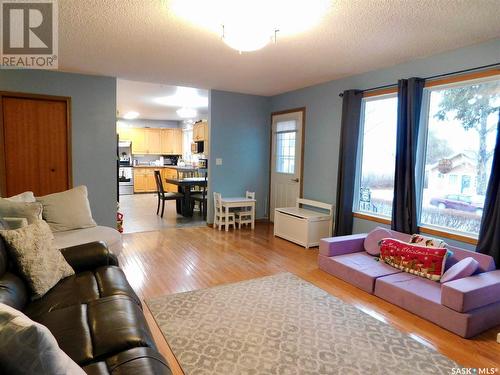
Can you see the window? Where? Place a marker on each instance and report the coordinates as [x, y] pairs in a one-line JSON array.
[[377, 155], [286, 133], [459, 132]]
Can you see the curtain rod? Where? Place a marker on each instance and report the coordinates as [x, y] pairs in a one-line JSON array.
[[433, 77]]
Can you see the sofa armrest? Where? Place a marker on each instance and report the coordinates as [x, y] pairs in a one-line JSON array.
[[472, 292], [89, 256], [342, 245]]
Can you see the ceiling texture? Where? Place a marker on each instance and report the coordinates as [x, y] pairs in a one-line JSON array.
[[142, 40], [143, 97]]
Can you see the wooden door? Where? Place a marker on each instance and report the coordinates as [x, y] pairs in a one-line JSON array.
[[286, 159], [36, 138]]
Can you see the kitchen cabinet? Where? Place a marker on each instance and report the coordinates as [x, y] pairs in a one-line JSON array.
[[153, 141], [144, 180], [125, 134], [171, 141], [169, 173], [200, 131], [146, 141]]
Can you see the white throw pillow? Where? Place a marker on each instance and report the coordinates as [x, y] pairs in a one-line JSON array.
[[26, 197], [30, 211], [41, 264], [27, 347], [67, 210]]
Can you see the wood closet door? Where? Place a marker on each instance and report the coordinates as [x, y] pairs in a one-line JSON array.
[[36, 139]]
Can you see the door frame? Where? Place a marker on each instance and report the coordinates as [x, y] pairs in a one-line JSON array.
[[23, 95], [302, 147]]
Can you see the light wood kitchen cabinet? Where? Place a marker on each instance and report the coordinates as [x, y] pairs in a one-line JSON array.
[[144, 180], [169, 173], [171, 141], [200, 131], [125, 134]]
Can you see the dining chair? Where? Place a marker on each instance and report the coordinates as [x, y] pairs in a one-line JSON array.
[[220, 217], [200, 197], [245, 215], [163, 195]]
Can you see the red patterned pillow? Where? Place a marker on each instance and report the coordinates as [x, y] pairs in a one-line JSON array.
[[420, 260]]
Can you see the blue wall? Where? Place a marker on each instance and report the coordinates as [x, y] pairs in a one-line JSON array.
[[324, 110], [93, 129], [239, 134]]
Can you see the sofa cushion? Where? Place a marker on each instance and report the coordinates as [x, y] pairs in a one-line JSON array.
[[133, 361], [465, 268], [84, 287], [359, 269], [27, 347], [470, 293], [372, 240], [40, 263], [26, 197], [30, 211], [67, 210], [423, 298], [97, 330], [110, 236]]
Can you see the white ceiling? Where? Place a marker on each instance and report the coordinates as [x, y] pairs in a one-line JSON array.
[[143, 41], [143, 97]]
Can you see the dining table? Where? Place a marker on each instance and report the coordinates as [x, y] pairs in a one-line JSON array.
[[184, 206]]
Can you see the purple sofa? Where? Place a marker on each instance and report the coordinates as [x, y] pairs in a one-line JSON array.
[[466, 306]]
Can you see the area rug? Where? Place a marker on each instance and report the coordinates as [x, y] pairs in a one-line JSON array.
[[284, 325]]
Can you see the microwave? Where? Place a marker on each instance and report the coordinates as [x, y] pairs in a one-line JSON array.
[[198, 147]]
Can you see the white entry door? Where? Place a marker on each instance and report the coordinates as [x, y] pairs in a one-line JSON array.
[[286, 160]]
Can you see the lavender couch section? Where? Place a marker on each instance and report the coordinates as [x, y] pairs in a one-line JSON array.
[[466, 306]]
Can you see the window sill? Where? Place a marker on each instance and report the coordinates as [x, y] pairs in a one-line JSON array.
[[427, 230], [378, 219], [454, 236]]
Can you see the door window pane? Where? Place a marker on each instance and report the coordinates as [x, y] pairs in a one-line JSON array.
[[461, 133], [285, 151], [377, 156]]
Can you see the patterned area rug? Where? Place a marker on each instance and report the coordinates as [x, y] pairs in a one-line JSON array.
[[284, 325]]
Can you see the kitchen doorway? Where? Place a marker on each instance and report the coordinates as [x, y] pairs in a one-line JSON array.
[[287, 158]]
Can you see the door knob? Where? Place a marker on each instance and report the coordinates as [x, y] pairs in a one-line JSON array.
[[295, 179]]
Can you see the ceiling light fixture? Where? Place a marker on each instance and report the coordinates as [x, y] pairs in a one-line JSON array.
[[184, 97], [131, 115], [249, 25], [187, 112]]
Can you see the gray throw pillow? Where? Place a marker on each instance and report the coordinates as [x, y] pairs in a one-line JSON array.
[[30, 211], [67, 210], [29, 348], [41, 264]]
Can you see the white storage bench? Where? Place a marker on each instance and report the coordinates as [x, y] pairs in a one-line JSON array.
[[304, 226]]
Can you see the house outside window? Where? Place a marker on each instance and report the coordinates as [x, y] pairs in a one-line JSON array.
[[376, 156], [459, 126]]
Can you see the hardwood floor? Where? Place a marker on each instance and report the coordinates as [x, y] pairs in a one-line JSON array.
[[139, 211], [184, 259]]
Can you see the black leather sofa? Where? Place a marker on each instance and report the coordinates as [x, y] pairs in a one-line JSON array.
[[94, 315]]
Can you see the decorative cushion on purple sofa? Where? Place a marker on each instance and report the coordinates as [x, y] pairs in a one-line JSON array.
[[466, 267], [372, 240], [418, 239]]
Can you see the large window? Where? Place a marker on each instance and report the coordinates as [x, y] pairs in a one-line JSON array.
[[377, 153], [459, 131]]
